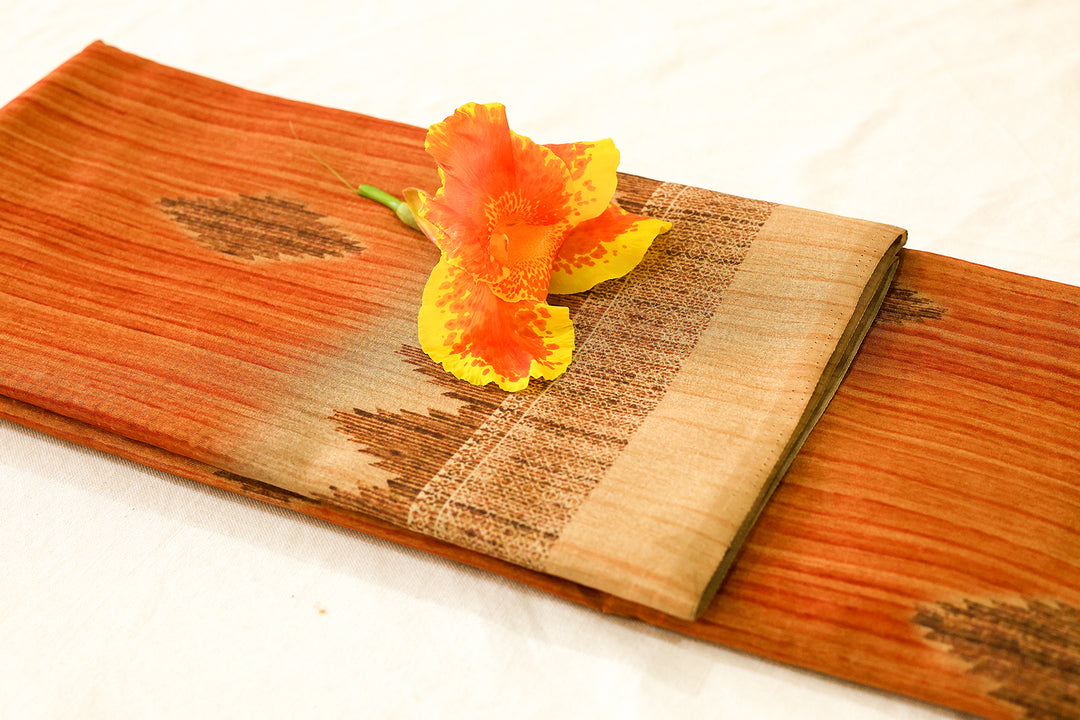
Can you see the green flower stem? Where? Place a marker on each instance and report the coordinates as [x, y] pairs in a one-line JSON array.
[[380, 196], [403, 212]]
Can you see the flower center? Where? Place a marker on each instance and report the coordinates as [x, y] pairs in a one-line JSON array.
[[514, 241], [517, 233]]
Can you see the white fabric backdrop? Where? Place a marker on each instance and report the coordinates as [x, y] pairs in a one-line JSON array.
[[125, 592]]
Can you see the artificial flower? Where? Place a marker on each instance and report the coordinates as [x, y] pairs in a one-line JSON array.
[[515, 221]]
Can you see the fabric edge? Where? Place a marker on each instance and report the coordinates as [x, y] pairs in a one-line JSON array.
[[839, 363]]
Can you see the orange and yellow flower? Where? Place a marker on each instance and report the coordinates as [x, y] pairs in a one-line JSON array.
[[515, 221]]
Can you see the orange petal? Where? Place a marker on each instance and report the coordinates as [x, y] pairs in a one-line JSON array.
[[480, 338], [473, 146], [592, 168], [505, 202], [604, 248]]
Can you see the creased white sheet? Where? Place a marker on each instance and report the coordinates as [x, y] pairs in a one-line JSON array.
[[125, 592]]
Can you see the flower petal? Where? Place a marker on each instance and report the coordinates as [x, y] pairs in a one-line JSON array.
[[481, 338], [604, 248], [418, 200], [505, 202], [592, 167], [473, 146]]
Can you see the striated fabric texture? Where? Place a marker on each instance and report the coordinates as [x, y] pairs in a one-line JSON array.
[[142, 594], [230, 304]]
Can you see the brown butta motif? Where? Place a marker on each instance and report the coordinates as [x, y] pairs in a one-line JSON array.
[[1031, 649], [412, 446], [258, 228], [904, 305], [506, 473]]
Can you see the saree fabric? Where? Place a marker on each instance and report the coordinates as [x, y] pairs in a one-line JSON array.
[[180, 272]]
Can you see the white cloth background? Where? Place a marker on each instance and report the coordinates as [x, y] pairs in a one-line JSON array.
[[125, 592]]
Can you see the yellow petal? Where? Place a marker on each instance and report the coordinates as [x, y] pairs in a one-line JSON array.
[[604, 248], [481, 338], [592, 168], [418, 200]]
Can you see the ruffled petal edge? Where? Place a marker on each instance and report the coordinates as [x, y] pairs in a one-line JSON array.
[[593, 176], [607, 247]]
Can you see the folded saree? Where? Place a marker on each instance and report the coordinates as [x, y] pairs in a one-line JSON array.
[[179, 270], [183, 285]]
